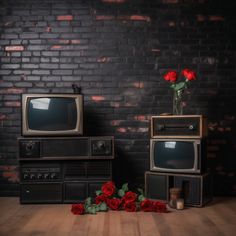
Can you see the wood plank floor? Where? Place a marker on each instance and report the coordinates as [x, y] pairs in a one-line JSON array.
[[216, 219]]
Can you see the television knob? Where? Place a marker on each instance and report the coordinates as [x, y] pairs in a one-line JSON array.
[[26, 176], [53, 176], [29, 146], [101, 145], [160, 127], [39, 176], [32, 176], [191, 127], [46, 176]]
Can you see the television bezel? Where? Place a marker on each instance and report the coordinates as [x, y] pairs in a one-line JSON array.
[[197, 167], [78, 130]]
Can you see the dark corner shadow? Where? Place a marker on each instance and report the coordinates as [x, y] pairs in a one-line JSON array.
[[219, 200], [222, 132]]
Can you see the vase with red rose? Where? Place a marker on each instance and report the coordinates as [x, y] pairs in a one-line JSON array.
[[179, 88]]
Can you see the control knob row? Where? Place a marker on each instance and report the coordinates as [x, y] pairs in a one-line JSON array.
[[32, 176]]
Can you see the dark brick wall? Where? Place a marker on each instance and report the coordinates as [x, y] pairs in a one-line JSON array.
[[117, 51]]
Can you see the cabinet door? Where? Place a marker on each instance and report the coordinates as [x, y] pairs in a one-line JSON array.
[[75, 192], [41, 193], [191, 189], [157, 186]]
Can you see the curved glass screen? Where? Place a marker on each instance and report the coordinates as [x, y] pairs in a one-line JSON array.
[[174, 154], [52, 114]]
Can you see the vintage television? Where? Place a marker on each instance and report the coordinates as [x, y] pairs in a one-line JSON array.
[[52, 114], [177, 155]]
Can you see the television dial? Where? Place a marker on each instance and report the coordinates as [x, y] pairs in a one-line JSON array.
[[46, 176], [30, 146], [26, 176], [53, 176], [160, 127], [39, 176], [191, 127], [101, 145], [32, 176]]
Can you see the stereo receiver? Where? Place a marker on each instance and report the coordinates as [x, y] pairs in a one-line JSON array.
[[178, 126], [51, 148]]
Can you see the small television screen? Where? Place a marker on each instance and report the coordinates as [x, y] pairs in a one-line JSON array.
[[52, 114], [174, 155]]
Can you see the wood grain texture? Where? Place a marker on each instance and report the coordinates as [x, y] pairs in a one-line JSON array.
[[216, 219]]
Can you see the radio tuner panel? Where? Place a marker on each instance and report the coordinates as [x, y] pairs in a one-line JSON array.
[[178, 126], [43, 172], [66, 148]]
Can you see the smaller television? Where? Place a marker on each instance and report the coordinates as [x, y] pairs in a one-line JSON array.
[[177, 155], [52, 114]]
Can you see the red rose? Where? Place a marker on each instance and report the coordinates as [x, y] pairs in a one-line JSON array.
[[77, 209], [114, 203], [108, 188], [189, 74], [171, 76], [146, 205], [100, 198], [129, 197], [130, 206], [159, 207]]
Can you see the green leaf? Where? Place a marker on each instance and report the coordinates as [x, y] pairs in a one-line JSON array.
[[98, 192], [88, 201], [97, 208], [121, 192], [88, 209], [91, 210], [103, 206], [141, 198], [179, 86], [125, 187], [140, 191]]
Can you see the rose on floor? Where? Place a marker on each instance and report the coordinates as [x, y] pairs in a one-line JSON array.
[[114, 203], [129, 197], [109, 197], [147, 205], [77, 209], [108, 188]]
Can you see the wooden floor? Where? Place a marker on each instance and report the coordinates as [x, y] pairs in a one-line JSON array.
[[217, 218]]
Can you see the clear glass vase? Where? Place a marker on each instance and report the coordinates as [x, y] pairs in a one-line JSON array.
[[177, 102]]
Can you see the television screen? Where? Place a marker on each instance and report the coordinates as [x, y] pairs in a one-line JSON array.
[[52, 113], [174, 154]]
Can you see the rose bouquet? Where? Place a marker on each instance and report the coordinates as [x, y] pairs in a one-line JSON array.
[[109, 197], [179, 88]]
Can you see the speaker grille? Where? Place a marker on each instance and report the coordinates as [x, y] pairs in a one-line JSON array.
[[75, 170], [65, 147], [157, 186], [98, 169], [40, 193], [75, 191]]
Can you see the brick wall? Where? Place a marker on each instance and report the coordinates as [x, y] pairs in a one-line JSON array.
[[117, 51]]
